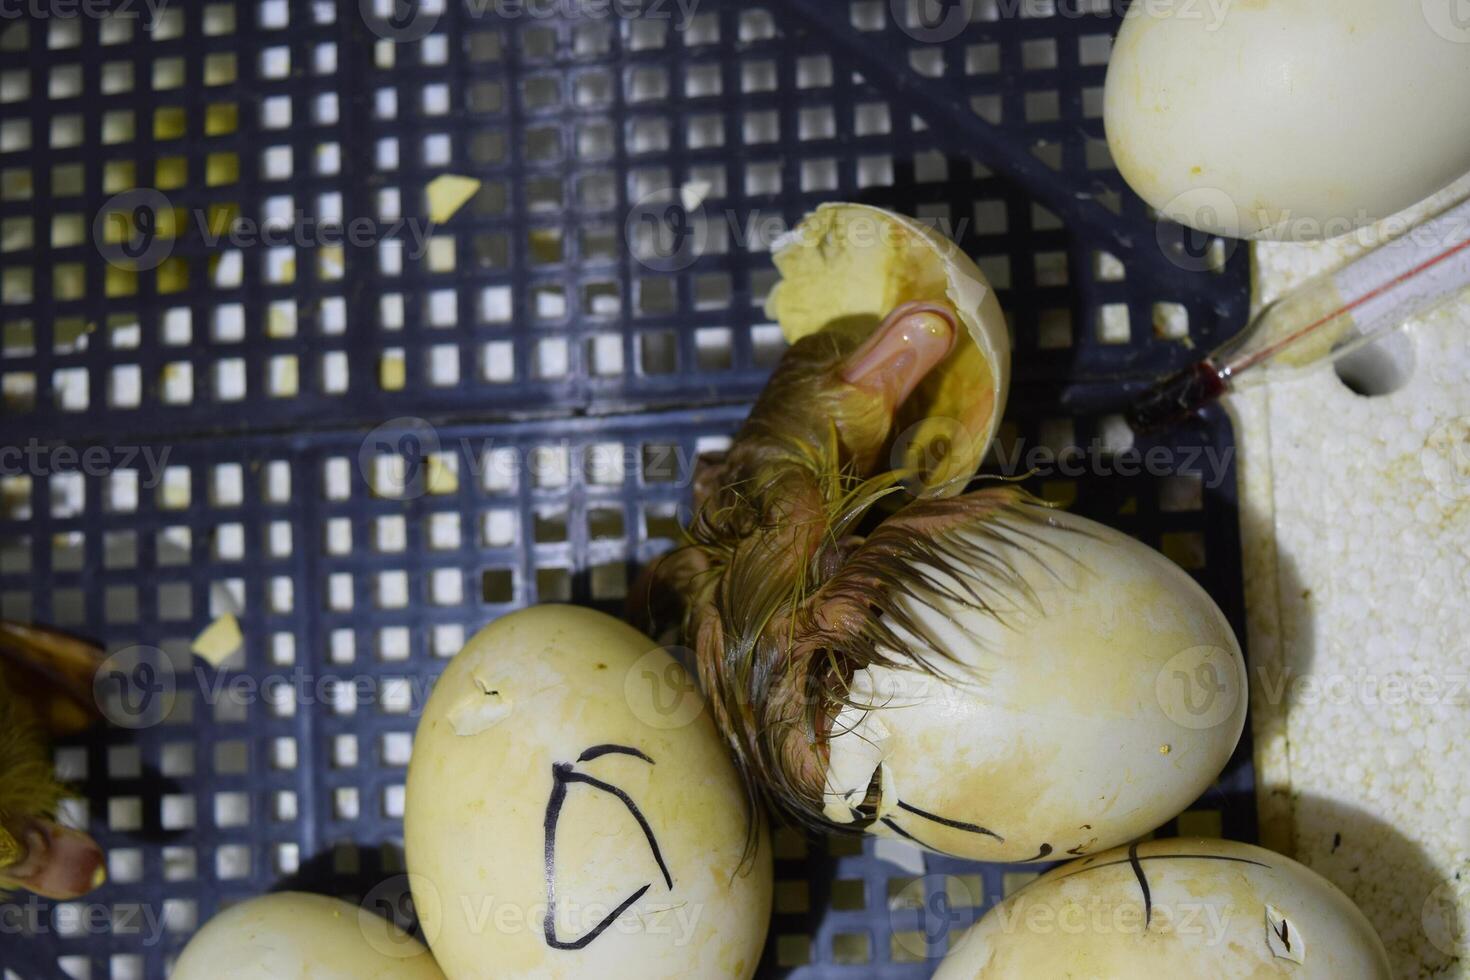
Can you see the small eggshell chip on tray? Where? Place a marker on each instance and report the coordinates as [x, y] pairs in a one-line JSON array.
[[1290, 120], [1173, 908], [297, 936], [218, 641], [571, 812], [447, 193]]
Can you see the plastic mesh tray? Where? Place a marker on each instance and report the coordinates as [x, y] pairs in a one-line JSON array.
[[595, 376]]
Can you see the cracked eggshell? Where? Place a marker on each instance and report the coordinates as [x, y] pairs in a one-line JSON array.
[[855, 261], [1290, 120], [1214, 908], [1084, 719], [559, 686], [297, 936]]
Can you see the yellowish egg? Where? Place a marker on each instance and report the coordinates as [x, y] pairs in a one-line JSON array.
[[1095, 694], [1173, 908], [571, 812], [1290, 119], [297, 936]]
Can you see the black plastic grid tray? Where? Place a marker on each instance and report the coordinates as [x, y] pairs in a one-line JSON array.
[[569, 122]]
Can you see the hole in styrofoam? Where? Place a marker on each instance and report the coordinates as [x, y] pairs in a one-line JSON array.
[[1380, 368]]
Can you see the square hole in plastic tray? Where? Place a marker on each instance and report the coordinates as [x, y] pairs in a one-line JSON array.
[[547, 294]]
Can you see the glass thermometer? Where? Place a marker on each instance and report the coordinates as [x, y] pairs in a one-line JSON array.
[[1326, 318]]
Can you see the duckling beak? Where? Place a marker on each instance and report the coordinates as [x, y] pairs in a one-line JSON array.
[[56, 862], [909, 343]]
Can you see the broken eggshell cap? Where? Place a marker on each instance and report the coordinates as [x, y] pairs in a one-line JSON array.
[[855, 261]]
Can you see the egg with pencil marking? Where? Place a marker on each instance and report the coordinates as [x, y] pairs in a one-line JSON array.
[[1173, 908], [570, 812]]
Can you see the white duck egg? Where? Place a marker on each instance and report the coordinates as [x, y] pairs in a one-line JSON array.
[[1173, 908], [1289, 120], [1069, 720], [571, 812], [298, 936]]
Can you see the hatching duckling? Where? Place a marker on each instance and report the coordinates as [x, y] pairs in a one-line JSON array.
[[45, 692]]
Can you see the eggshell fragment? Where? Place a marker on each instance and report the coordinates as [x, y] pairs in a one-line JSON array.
[[857, 262]]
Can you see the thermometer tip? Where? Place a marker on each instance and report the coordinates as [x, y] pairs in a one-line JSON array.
[[1175, 398]]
